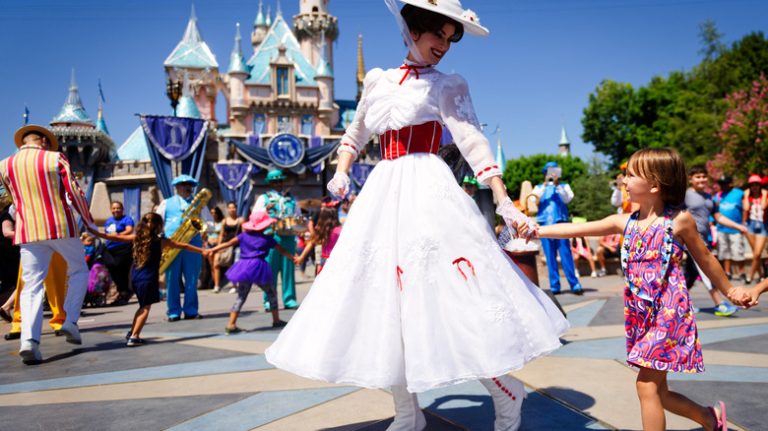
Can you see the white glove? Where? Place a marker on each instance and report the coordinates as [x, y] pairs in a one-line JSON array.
[[339, 185], [513, 217]]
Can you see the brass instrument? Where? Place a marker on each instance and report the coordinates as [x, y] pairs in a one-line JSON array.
[[5, 198], [526, 206], [191, 225]]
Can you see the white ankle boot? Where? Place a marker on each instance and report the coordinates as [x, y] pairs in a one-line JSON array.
[[508, 394], [408, 415]]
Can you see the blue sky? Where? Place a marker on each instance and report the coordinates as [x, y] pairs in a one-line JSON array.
[[531, 76]]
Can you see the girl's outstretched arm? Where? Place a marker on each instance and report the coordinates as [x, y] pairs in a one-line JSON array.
[[684, 228], [115, 237], [231, 243], [188, 247], [610, 225], [284, 252], [309, 246]]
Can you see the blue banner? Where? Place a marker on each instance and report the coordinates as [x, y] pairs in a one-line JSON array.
[[359, 174], [132, 202], [235, 185], [174, 139]]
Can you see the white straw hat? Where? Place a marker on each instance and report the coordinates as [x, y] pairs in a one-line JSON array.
[[453, 10]]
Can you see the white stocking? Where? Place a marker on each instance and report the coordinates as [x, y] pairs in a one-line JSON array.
[[408, 415], [508, 394]]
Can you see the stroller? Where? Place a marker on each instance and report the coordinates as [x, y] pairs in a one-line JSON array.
[[99, 279]]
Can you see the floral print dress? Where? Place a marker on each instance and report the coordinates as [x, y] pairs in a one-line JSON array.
[[658, 315]]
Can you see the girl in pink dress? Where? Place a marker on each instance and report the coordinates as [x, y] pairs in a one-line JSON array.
[[659, 321], [326, 233]]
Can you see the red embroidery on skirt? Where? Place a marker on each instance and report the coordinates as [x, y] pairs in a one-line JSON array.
[[504, 388], [458, 261], [399, 280]]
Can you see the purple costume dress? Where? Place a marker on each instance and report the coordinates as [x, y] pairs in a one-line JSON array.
[[252, 266], [659, 321]]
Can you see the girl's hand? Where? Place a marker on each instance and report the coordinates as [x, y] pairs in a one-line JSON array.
[[296, 260], [741, 296]]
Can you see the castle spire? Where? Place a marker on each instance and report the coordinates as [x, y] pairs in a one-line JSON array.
[[192, 51], [360, 66], [269, 16], [565, 145], [260, 21], [73, 110], [236, 61]]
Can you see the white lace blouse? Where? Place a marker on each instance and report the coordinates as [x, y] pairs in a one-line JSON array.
[[386, 104]]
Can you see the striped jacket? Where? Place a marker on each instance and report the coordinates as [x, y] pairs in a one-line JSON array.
[[43, 188]]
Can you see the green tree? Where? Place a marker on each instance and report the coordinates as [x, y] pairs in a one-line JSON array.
[[530, 168], [684, 110], [592, 193]]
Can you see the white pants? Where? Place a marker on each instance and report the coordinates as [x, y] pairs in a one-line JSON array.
[[35, 258]]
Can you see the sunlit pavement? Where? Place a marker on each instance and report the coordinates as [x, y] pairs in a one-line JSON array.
[[190, 376]]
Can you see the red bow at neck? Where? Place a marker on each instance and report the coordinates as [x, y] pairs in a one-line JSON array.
[[408, 68]]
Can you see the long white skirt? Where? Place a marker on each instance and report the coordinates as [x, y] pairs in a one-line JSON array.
[[416, 292]]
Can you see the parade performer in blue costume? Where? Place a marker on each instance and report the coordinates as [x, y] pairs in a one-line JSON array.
[[553, 208], [279, 203], [187, 264]]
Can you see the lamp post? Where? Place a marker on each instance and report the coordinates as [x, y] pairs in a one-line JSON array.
[[173, 91]]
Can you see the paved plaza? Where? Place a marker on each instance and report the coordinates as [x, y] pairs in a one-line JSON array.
[[190, 376]]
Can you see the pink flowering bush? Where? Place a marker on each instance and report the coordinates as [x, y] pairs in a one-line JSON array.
[[744, 133]]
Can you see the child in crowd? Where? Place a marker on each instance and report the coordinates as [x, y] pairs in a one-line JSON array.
[[755, 204], [148, 243], [607, 246], [90, 248], [580, 249], [326, 233], [252, 267], [659, 321]]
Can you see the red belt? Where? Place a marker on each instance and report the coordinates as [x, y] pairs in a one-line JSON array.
[[422, 138]]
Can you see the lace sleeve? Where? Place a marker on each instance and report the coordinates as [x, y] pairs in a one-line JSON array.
[[357, 135], [458, 114]]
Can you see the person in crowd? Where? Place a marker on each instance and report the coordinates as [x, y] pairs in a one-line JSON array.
[[660, 325], [252, 267], [187, 265], [325, 234], [279, 203], [9, 255], [344, 207], [470, 184], [230, 228], [385, 312], [553, 208], [755, 202], [580, 249], [211, 239], [117, 256], [45, 224], [730, 242], [607, 246], [89, 243], [701, 206], [148, 243]]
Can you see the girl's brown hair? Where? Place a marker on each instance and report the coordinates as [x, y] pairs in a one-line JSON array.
[[664, 168], [147, 231], [326, 221]]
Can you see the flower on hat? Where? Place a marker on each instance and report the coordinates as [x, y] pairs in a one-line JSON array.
[[470, 15]]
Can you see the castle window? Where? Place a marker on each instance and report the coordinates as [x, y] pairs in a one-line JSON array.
[[307, 125], [283, 89], [259, 124]]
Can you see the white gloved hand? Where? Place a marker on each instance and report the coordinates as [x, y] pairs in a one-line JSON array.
[[514, 219], [339, 185]]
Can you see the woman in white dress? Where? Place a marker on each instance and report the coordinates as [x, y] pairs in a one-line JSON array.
[[417, 294]]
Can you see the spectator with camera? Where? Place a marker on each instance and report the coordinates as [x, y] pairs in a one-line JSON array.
[[554, 197]]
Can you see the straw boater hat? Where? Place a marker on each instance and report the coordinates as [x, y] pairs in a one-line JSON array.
[[52, 141], [259, 220], [453, 9]]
